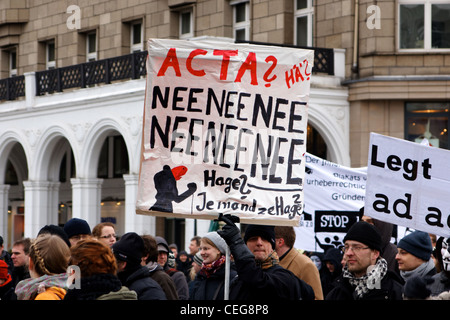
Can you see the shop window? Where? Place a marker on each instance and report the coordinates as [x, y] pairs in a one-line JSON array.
[[427, 120]]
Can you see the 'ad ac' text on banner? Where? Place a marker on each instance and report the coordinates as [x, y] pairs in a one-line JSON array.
[[408, 184]]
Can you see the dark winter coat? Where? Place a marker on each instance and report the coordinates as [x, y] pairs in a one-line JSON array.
[[274, 283], [164, 280], [100, 286], [441, 283], [391, 288], [180, 281], [388, 249], [328, 279], [211, 288], [139, 280]]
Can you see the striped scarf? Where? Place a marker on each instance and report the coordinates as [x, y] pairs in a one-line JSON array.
[[210, 268], [271, 260]]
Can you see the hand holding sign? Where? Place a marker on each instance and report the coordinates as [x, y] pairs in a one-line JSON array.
[[230, 232]]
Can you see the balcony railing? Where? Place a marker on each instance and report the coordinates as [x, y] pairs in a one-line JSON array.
[[130, 66], [12, 88]]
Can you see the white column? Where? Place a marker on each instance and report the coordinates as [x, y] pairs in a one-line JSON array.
[[37, 206], [86, 199], [141, 224], [4, 191], [30, 88], [53, 198]]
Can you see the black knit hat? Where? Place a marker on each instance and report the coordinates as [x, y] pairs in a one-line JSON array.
[[365, 233], [56, 230], [417, 287], [76, 226], [129, 248], [265, 232]]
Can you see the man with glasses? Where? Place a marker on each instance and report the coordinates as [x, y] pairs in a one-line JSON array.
[[365, 275]]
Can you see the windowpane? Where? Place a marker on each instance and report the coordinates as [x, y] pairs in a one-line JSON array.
[[136, 33], [186, 22], [240, 34], [440, 26], [302, 31], [51, 51], [428, 120], [240, 12], [92, 43], [302, 4], [412, 26], [13, 57]]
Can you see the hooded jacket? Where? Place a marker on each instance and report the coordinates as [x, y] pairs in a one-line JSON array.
[[334, 256], [163, 279]]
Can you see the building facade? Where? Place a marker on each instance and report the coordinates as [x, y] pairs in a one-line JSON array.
[[397, 67], [73, 88]]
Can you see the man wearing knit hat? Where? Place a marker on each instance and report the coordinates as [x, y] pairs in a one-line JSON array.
[[129, 251], [414, 255], [365, 275], [260, 277], [77, 229]]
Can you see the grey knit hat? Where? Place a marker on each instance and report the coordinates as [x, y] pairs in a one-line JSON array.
[[217, 240]]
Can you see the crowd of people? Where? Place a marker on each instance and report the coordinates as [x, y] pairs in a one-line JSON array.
[[76, 263]]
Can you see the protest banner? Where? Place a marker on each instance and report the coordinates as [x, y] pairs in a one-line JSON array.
[[408, 184], [224, 131], [334, 194]]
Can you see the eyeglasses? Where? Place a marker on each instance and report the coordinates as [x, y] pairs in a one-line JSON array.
[[355, 249], [108, 236]]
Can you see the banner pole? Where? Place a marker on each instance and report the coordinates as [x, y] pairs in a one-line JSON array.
[[227, 274]]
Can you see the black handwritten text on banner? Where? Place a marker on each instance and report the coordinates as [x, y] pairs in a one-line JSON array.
[[224, 131]]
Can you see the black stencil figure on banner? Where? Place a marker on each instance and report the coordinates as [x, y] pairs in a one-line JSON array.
[[166, 187]]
